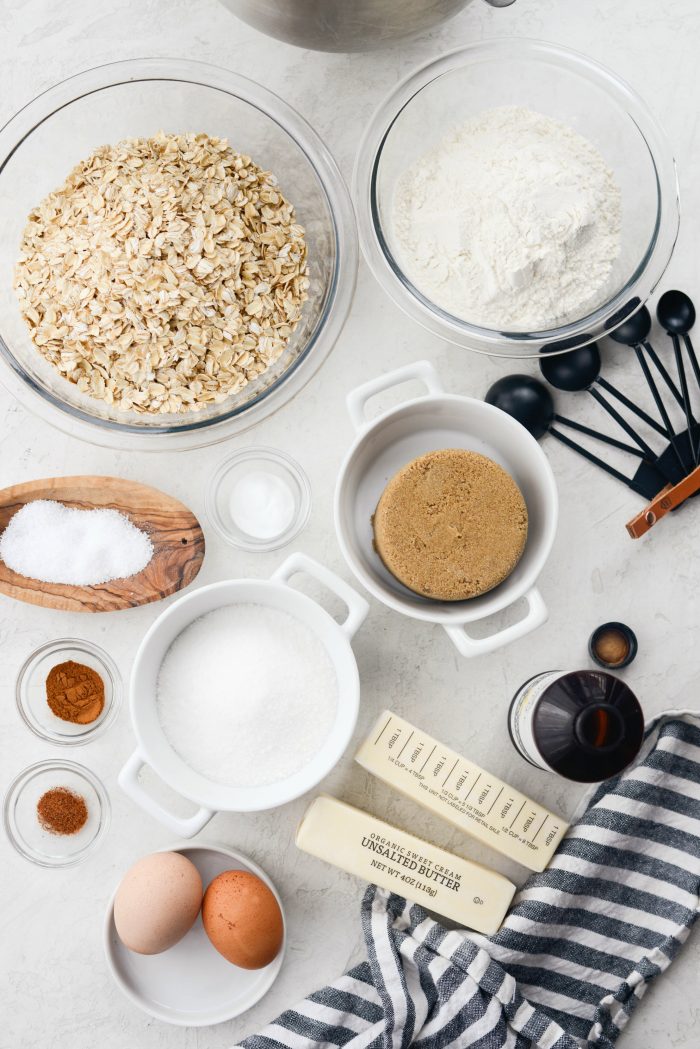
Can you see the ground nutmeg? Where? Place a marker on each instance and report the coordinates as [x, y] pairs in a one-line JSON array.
[[75, 692], [62, 811]]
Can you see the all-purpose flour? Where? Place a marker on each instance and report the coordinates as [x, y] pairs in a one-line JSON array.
[[511, 222]]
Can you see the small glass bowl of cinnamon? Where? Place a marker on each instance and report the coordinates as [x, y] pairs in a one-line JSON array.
[[56, 813], [68, 691]]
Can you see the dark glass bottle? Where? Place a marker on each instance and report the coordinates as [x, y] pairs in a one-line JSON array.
[[585, 725]]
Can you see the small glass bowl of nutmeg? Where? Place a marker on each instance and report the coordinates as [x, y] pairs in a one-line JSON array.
[[68, 692], [56, 813]]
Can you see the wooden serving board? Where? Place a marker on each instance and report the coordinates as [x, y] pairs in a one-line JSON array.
[[177, 537]]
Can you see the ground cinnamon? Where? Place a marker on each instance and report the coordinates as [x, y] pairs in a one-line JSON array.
[[75, 692], [62, 811]]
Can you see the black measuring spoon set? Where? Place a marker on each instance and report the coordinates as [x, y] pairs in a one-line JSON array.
[[531, 402]]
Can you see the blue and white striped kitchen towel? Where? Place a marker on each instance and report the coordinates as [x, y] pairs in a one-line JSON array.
[[575, 954]]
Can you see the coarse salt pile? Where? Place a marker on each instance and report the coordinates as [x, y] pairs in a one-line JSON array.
[[247, 695], [54, 543]]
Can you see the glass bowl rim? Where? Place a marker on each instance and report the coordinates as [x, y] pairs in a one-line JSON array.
[[388, 271], [110, 668], [338, 293], [50, 764]]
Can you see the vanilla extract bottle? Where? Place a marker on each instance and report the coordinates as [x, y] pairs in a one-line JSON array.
[[585, 725]]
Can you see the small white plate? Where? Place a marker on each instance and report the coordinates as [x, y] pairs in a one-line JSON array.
[[191, 984]]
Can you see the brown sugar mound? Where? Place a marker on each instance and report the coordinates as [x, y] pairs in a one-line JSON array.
[[451, 525]]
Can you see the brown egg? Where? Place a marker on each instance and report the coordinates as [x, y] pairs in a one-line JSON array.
[[243, 920], [157, 902]]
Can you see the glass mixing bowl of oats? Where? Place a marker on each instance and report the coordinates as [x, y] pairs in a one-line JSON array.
[[177, 254]]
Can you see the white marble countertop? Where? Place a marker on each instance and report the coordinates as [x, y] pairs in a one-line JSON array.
[[56, 990]]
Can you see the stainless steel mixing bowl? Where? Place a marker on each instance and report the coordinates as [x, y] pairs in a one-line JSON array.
[[347, 25]]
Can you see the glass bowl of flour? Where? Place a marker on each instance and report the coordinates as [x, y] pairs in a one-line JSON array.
[[514, 197]]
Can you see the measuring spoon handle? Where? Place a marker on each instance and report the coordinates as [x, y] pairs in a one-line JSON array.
[[597, 462], [631, 406]]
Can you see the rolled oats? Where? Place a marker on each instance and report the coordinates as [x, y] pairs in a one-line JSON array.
[[165, 273]]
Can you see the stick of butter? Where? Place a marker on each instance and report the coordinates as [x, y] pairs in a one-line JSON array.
[[462, 793], [360, 844]]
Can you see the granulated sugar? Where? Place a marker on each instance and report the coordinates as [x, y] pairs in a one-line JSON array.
[[247, 695], [54, 543]]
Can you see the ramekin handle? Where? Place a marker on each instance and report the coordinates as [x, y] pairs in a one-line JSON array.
[[421, 371], [184, 827], [356, 605], [468, 646]]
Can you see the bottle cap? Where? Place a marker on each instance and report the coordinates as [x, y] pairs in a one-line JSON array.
[[588, 726], [612, 646]]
